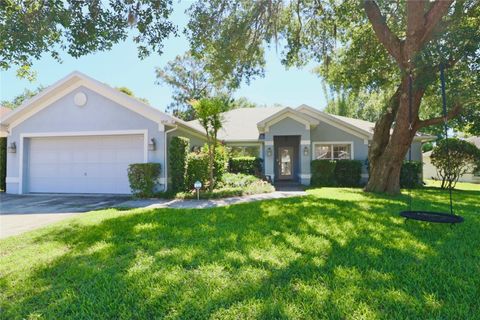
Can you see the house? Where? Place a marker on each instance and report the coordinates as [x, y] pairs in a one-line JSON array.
[[79, 136], [430, 171]]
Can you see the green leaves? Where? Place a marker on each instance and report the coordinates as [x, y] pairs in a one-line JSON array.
[[453, 158], [30, 29]]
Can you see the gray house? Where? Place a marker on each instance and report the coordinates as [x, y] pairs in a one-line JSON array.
[[79, 136]]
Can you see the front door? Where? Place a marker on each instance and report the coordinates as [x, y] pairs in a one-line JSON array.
[[285, 163]]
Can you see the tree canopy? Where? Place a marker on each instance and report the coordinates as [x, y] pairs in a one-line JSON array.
[[189, 79], [22, 97], [129, 92], [454, 158], [29, 29], [384, 46]]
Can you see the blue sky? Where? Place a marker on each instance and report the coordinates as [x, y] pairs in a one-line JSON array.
[[121, 67]]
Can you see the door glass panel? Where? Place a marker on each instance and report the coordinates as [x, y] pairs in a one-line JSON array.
[[286, 161]]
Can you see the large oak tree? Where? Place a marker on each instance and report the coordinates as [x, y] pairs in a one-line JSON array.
[[368, 45]]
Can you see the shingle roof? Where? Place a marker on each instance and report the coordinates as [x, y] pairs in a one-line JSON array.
[[361, 124], [241, 124]]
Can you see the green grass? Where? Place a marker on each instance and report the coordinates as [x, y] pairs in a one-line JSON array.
[[334, 254], [459, 185]]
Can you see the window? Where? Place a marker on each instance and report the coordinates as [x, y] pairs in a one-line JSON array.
[[332, 151], [245, 151]]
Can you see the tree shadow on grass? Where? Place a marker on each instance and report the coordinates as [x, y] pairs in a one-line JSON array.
[[291, 258]]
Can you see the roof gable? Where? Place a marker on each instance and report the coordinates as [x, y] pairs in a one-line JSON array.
[[75, 80], [284, 113]]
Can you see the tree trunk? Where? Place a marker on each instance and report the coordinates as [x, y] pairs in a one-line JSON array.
[[212, 165], [388, 148]]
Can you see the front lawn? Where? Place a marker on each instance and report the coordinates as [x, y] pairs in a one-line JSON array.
[[335, 254]]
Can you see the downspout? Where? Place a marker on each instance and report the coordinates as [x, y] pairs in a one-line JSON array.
[[165, 156]]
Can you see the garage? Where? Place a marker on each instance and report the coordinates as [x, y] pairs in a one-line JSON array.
[[82, 164]]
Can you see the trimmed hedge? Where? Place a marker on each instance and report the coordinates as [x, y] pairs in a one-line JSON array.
[[328, 173], [177, 161], [143, 178], [246, 165], [3, 163], [348, 173], [411, 174], [197, 169], [197, 166], [323, 173]]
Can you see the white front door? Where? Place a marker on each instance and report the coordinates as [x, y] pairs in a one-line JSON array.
[[83, 164]]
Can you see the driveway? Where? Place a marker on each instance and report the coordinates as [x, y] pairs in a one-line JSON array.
[[20, 213]]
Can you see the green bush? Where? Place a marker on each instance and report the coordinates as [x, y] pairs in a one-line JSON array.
[[453, 158], [197, 169], [246, 165], [3, 163], [411, 174], [323, 173], [221, 161], [177, 161], [143, 178], [237, 180], [256, 187], [348, 173]]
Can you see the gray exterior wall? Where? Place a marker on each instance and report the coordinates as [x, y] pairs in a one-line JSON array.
[[288, 127], [325, 132], [99, 114], [195, 140]]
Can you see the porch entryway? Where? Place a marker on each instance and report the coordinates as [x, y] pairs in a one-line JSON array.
[[287, 162]]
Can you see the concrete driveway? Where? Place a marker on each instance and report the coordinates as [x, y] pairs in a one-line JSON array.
[[20, 213]]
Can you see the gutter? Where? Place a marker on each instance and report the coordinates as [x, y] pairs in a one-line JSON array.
[[165, 155]]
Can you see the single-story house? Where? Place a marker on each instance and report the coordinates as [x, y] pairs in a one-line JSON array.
[[430, 171], [79, 136]]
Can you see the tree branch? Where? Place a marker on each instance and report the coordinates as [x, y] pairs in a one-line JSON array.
[[389, 40], [433, 16], [433, 121], [420, 26]]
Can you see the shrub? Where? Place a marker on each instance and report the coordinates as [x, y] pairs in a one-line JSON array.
[[143, 178], [197, 169], [348, 173], [177, 161], [411, 174], [246, 165], [220, 161], [237, 180], [461, 157], [3, 162], [323, 173], [257, 187], [427, 146]]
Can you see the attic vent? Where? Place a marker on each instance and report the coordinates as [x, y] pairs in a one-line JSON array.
[[80, 99]]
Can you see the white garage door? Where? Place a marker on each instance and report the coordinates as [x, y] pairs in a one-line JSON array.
[[86, 164]]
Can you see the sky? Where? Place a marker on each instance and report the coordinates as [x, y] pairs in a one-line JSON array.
[[121, 67]]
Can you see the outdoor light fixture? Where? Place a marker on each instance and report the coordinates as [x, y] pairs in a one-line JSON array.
[[197, 185], [269, 151], [305, 151], [12, 148], [152, 145]]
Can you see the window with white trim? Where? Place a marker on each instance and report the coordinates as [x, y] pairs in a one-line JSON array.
[[332, 151]]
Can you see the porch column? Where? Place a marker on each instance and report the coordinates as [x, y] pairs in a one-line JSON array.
[[268, 162], [305, 159]]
